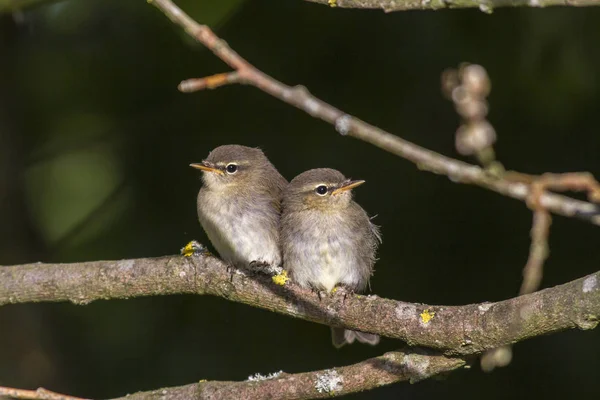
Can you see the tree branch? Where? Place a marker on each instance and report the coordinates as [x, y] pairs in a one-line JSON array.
[[454, 330], [39, 394], [484, 5], [385, 5], [369, 374], [348, 125], [392, 367]]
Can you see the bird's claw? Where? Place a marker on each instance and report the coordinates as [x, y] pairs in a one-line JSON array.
[[342, 291], [258, 266], [231, 271], [320, 293]]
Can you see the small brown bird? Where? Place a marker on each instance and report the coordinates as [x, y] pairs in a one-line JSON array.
[[328, 239], [239, 205]]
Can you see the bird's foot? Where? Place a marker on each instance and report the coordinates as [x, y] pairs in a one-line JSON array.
[[264, 267], [231, 270], [342, 290]]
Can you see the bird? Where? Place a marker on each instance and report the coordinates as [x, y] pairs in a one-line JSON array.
[[327, 239], [239, 206]]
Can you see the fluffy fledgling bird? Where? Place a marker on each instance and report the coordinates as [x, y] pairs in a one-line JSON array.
[[327, 239], [239, 205]]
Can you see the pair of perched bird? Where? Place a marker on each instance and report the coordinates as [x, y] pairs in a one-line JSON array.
[[310, 226]]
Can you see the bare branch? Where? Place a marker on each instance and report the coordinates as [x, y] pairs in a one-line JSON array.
[[389, 368], [486, 6], [455, 330], [369, 374], [386, 5], [348, 125]]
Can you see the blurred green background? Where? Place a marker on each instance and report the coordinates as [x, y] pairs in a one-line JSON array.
[[95, 142]]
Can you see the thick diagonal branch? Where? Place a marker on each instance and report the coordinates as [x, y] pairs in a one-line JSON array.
[[455, 330], [348, 125]]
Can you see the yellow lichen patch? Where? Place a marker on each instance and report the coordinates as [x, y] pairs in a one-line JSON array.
[[427, 316], [332, 3], [202, 380], [193, 248], [335, 289], [281, 279]]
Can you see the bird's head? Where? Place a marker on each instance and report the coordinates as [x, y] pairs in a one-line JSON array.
[[320, 189], [233, 166]]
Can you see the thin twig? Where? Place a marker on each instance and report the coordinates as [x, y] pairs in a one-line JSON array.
[[39, 394], [538, 252], [540, 230], [209, 82], [351, 126]]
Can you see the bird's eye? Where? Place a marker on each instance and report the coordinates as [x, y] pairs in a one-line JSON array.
[[321, 190], [231, 168]]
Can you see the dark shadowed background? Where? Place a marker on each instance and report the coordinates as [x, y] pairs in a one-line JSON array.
[[95, 142]]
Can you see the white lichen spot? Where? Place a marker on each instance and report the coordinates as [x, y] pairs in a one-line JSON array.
[[406, 311], [329, 382], [342, 124], [182, 274], [261, 377], [590, 283], [535, 3], [484, 307], [126, 265]]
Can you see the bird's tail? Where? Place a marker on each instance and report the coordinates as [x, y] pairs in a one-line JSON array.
[[341, 336]]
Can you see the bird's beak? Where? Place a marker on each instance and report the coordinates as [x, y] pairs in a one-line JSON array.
[[348, 185], [206, 167]]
